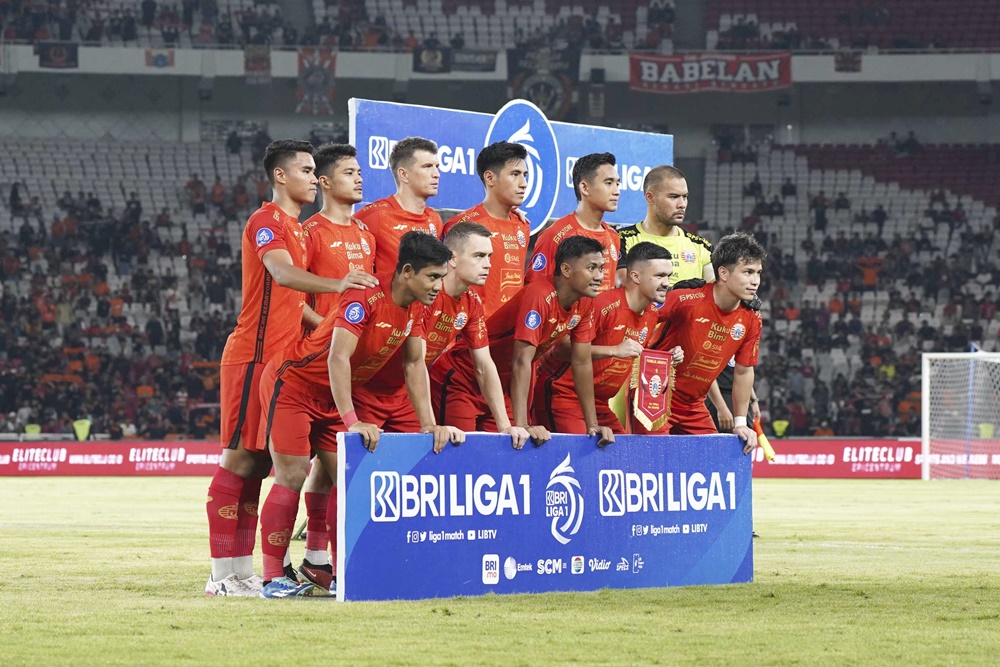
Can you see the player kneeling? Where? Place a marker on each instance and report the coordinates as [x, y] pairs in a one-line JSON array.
[[307, 391], [624, 320]]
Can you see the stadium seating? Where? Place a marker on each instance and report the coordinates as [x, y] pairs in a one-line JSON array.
[[974, 24], [868, 176]]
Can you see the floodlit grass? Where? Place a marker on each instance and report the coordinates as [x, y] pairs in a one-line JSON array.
[[111, 572]]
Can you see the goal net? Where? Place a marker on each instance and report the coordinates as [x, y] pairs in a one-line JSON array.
[[961, 415]]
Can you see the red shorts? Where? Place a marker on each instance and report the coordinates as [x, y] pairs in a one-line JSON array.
[[296, 423], [391, 411], [458, 402], [684, 420], [561, 412], [239, 398]]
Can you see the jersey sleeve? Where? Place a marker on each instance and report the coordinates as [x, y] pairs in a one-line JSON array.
[[670, 306], [475, 332], [369, 217], [747, 354], [622, 250], [266, 233], [354, 314], [531, 317], [542, 259], [584, 331], [704, 256]]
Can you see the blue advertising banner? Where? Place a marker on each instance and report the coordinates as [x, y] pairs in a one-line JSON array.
[[566, 516], [553, 149]]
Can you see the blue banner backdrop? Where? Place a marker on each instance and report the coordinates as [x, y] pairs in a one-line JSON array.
[[566, 516], [553, 149]]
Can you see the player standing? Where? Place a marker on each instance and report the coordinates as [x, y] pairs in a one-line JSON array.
[[274, 277], [624, 320], [502, 169], [523, 330], [712, 324], [414, 164], [456, 311], [596, 186], [308, 390], [342, 247]]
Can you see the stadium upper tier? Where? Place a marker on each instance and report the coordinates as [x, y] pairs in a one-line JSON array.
[[888, 24]]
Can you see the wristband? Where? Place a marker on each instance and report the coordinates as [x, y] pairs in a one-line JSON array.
[[351, 418], [739, 421]]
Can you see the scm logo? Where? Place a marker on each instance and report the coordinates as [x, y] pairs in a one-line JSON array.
[[550, 565]]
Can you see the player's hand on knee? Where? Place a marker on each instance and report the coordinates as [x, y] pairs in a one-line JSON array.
[[725, 419], [369, 434], [748, 437], [539, 434], [605, 436], [518, 435]]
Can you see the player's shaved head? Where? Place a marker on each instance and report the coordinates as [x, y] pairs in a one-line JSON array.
[[328, 155], [463, 231], [575, 247], [496, 156], [402, 153], [645, 252], [657, 175], [736, 248], [421, 250], [586, 168], [278, 153]]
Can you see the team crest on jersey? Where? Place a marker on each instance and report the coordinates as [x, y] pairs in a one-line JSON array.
[[688, 256], [432, 228], [643, 334], [738, 331], [614, 252], [355, 312], [365, 247], [461, 320], [655, 386], [264, 236], [538, 262], [522, 240], [533, 320], [573, 321], [409, 325]]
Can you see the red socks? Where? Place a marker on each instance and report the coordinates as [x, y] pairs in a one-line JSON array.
[[331, 527], [222, 509], [316, 535], [246, 518], [277, 521]]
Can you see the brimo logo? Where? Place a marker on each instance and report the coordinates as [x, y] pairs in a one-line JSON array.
[[521, 122]]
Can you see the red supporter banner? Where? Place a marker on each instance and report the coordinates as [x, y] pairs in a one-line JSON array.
[[708, 72], [973, 458], [109, 459], [832, 458]]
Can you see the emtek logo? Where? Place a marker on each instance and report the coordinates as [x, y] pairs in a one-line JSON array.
[[521, 122], [491, 569], [378, 152]]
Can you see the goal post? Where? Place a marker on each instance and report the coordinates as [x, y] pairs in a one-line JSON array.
[[960, 415]]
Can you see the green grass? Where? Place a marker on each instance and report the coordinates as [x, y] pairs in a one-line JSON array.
[[110, 572]]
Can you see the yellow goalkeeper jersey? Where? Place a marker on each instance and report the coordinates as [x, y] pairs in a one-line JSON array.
[[691, 253]]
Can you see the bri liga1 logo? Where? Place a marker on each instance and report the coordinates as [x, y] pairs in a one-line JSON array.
[[521, 122]]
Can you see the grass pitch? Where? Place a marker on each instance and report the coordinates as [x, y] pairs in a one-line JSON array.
[[111, 572]]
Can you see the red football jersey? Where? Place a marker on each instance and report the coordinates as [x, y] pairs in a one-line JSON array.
[[510, 249], [441, 322], [544, 259], [336, 250], [614, 321], [380, 325], [709, 337], [271, 315], [388, 222], [534, 316]]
